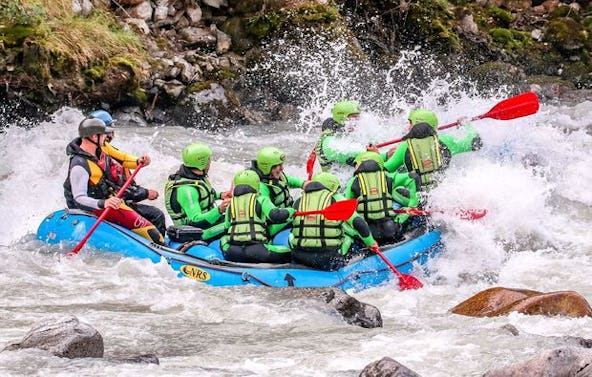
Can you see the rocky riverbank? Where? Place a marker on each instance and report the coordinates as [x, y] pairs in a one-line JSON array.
[[197, 62]]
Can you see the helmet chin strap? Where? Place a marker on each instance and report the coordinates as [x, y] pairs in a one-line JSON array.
[[99, 149]]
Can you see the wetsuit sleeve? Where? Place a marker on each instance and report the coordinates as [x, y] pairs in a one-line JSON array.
[[264, 190], [294, 182], [79, 184], [397, 159], [348, 192], [188, 199], [358, 223], [274, 214], [403, 179], [470, 142], [136, 193], [361, 226], [335, 156], [227, 222], [127, 160]]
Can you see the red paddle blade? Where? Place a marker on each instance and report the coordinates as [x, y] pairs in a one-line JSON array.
[[409, 282], [405, 281], [515, 107], [310, 164], [470, 214], [341, 210]]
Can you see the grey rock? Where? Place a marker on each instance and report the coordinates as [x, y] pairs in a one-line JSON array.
[[560, 362], [387, 367], [140, 359], [63, 337], [353, 311]]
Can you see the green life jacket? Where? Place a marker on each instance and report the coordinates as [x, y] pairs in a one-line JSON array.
[[314, 231], [375, 201], [426, 159], [206, 194], [279, 191], [246, 224], [321, 158]]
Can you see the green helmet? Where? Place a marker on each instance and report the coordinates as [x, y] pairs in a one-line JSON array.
[[197, 156], [248, 178], [423, 116], [343, 109], [365, 156], [269, 157], [330, 181]]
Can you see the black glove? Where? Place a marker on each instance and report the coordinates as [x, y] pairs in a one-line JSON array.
[[135, 193]]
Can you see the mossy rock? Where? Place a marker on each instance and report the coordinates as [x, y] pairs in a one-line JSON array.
[[494, 74], [579, 73], [566, 35], [11, 36], [512, 39], [502, 16], [197, 87], [433, 22], [225, 74], [235, 28], [307, 14], [94, 73], [587, 23], [564, 11]]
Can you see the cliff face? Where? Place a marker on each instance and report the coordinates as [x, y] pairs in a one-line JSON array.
[[191, 58]]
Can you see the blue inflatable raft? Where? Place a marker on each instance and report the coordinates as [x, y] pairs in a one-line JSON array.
[[205, 263]]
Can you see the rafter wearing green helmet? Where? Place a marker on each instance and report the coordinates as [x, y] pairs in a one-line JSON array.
[[275, 184], [343, 110], [425, 152], [190, 198], [332, 129], [376, 191], [246, 221], [247, 178], [197, 156], [423, 116], [320, 243]]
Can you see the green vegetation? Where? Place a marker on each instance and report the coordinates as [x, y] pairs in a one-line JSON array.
[[67, 42], [433, 22], [511, 39]]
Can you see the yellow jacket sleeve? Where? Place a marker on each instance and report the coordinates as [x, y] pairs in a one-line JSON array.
[[128, 161]]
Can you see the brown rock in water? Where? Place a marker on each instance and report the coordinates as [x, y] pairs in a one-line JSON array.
[[490, 302], [567, 303], [501, 301]]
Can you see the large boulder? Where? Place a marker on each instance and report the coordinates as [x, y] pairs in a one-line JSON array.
[[560, 362], [63, 337], [501, 301]]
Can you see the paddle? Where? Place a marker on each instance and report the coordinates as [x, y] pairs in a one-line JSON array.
[[514, 107], [341, 210], [104, 214], [405, 281], [310, 164], [465, 214]]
